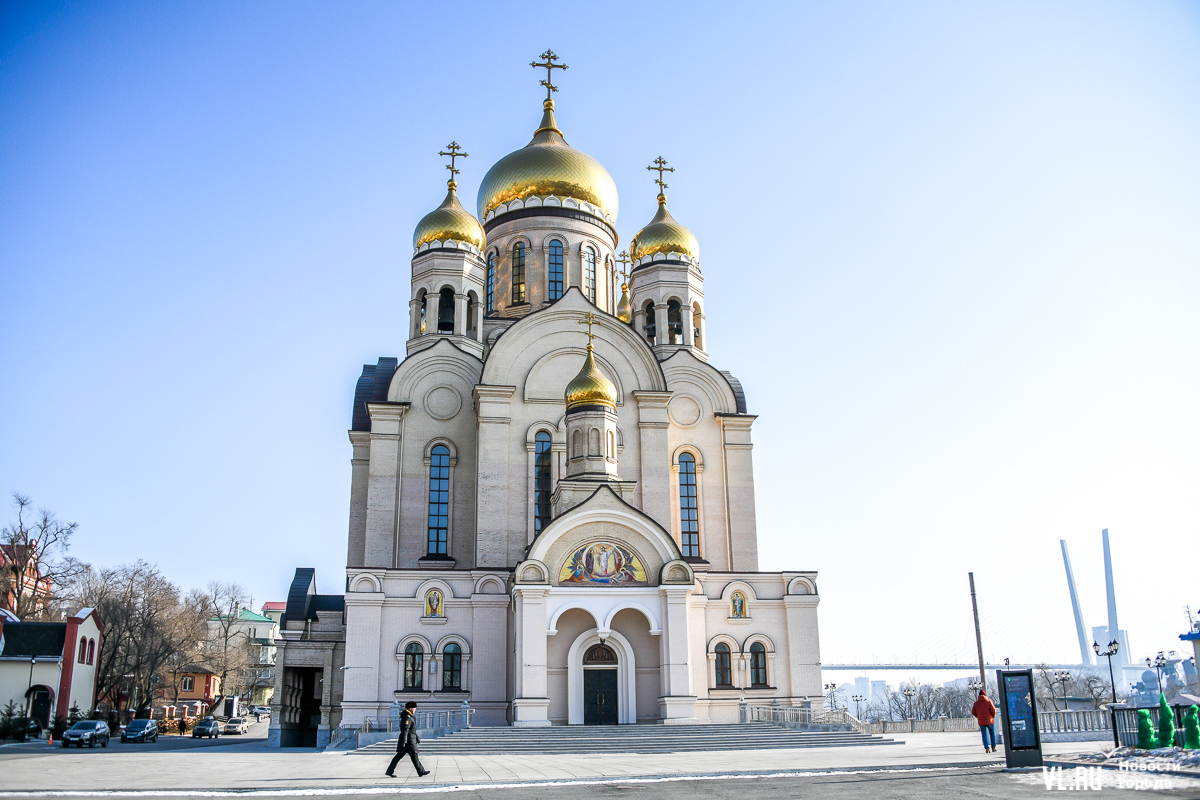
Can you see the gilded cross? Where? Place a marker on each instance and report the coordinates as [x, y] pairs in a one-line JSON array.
[[453, 149], [624, 259], [549, 66], [660, 166], [590, 319]]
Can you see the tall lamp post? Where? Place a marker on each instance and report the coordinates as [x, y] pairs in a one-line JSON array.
[[832, 689], [1063, 677], [858, 698], [1159, 662], [29, 691], [1113, 646], [909, 693]]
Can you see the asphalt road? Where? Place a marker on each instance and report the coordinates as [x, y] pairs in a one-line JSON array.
[[166, 742]]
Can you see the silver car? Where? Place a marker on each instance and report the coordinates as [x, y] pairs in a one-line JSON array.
[[236, 725]]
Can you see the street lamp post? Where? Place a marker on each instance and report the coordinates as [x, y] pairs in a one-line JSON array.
[[910, 692], [29, 691], [1113, 646], [1159, 662], [832, 689], [858, 698], [1064, 678]]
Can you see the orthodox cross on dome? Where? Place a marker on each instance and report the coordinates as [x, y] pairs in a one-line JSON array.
[[590, 319], [624, 271], [660, 166], [452, 151], [549, 66]]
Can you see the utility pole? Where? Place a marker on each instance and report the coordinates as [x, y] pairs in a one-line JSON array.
[[978, 638]]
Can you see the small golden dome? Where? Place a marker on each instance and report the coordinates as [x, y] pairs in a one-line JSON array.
[[449, 221], [663, 235], [548, 166], [590, 387], [624, 306]]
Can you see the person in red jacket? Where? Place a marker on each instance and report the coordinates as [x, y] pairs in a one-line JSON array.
[[984, 712]]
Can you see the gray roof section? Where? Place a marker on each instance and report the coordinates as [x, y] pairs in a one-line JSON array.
[[34, 639], [739, 394], [372, 387], [303, 601]]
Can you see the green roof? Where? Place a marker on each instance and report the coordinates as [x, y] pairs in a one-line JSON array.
[[245, 615]]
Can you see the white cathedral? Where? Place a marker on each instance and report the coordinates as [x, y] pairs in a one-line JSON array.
[[552, 504]]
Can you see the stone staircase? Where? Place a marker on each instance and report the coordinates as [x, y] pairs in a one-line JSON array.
[[580, 739]]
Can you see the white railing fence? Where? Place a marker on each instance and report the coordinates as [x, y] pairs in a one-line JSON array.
[[1074, 721]]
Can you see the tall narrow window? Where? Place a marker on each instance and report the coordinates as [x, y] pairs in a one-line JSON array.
[[674, 323], [723, 665], [758, 664], [491, 283], [689, 518], [452, 667], [589, 274], [446, 311], [82, 650], [91, 651], [541, 482], [651, 323], [556, 266], [518, 273], [439, 499], [414, 658]]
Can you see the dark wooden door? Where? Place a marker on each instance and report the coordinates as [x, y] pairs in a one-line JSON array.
[[599, 697]]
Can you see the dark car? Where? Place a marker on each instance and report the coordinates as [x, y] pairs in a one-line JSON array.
[[140, 730], [209, 728], [90, 732]]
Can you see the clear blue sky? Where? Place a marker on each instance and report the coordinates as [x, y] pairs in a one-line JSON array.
[[951, 250]]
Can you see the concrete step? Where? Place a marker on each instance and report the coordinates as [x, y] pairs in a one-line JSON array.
[[628, 739]]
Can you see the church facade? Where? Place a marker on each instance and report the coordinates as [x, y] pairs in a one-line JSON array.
[[552, 501]]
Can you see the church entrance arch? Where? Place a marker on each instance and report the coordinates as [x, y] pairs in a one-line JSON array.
[[600, 686]]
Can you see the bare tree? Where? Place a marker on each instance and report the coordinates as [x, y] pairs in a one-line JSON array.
[[36, 568], [227, 650]]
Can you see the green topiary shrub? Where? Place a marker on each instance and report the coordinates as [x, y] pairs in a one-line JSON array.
[[1191, 728], [1166, 723], [1146, 738], [8, 721], [75, 713]]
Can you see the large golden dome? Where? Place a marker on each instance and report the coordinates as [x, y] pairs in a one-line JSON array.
[[449, 222], [663, 235], [590, 387], [548, 166]]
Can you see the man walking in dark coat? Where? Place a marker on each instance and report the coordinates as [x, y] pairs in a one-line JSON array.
[[408, 741]]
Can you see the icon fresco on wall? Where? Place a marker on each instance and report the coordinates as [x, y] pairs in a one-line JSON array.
[[738, 605], [602, 562], [433, 603]]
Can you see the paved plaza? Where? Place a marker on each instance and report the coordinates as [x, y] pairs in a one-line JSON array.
[[931, 761]]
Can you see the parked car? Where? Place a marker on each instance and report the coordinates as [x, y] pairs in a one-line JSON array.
[[89, 731], [140, 730], [264, 710], [208, 728], [236, 725]]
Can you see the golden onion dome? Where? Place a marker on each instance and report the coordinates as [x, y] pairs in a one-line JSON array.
[[663, 235], [449, 222], [624, 306], [590, 387], [548, 166]]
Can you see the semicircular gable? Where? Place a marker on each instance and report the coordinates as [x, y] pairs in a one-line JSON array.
[[684, 369], [550, 374], [444, 360], [626, 354]]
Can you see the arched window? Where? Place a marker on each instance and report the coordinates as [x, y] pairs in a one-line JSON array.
[[696, 315], [541, 481], [414, 658], [724, 665], [651, 327], [674, 323], [439, 499], [589, 274], [556, 266], [576, 444], [491, 283], [446, 311], [424, 307], [758, 664], [518, 273], [91, 651], [689, 514], [82, 649], [594, 442], [452, 667], [612, 450]]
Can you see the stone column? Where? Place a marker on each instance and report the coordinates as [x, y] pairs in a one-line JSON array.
[[460, 315], [364, 688], [685, 314], [661, 334], [654, 456], [677, 703], [432, 301], [383, 484], [703, 332], [531, 706], [739, 492], [414, 318], [639, 321], [492, 490], [488, 678], [804, 649], [360, 442], [479, 310]]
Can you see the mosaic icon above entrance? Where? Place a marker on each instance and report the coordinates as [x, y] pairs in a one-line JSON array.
[[603, 562]]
